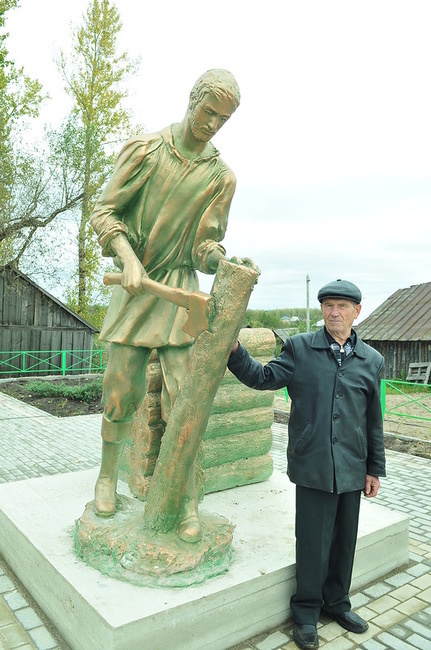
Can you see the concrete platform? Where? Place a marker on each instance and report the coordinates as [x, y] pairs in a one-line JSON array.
[[94, 611]]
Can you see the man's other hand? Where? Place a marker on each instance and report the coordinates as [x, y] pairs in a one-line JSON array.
[[372, 485]]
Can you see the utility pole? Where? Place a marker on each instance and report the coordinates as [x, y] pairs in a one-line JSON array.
[[307, 283]]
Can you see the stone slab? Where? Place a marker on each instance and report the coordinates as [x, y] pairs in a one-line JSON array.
[[95, 611]]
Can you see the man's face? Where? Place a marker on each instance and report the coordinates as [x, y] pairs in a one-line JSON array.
[[208, 116], [339, 314]]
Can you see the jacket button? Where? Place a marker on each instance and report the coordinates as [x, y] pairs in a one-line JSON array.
[[334, 441], [338, 395], [336, 417]]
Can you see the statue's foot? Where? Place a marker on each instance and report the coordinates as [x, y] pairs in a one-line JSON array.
[[190, 529], [104, 497]]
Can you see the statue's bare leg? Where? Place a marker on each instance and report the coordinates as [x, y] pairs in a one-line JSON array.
[[123, 392], [114, 435]]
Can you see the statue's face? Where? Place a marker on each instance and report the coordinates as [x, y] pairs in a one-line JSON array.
[[208, 116]]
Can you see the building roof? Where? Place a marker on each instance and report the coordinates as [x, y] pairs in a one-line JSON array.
[[9, 268], [284, 332], [404, 316]]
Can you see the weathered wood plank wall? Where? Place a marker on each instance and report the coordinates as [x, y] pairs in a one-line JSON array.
[[400, 354], [31, 320]]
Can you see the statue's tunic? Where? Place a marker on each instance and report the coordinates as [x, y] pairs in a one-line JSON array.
[[174, 213]]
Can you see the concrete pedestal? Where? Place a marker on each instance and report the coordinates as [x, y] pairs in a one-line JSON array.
[[93, 611]]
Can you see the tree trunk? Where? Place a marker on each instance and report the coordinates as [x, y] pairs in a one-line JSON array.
[[187, 423]]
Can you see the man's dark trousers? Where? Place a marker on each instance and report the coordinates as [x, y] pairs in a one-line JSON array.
[[326, 528]]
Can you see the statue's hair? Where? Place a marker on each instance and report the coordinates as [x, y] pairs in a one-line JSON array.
[[217, 82]]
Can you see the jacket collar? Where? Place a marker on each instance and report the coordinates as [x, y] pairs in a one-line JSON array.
[[319, 341]]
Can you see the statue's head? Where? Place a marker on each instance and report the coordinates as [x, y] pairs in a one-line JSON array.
[[220, 84]]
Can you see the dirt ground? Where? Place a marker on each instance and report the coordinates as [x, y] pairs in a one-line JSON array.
[[405, 434], [62, 407]]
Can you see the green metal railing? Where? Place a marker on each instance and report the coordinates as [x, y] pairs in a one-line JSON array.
[[29, 362], [410, 399], [53, 362]]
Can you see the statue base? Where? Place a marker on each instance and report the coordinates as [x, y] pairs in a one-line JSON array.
[[92, 610], [120, 547]]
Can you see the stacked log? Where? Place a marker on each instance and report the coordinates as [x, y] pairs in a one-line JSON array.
[[236, 443], [142, 448]]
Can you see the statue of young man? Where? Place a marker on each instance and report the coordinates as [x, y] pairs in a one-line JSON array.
[[163, 214]]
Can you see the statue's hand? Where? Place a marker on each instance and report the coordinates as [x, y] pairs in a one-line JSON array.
[[132, 275], [245, 261]]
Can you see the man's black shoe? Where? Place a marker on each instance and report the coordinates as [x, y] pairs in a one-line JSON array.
[[350, 621], [305, 636]]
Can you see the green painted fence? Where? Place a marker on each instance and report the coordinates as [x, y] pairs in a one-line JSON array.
[[420, 398], [36, 362], [63, 362]]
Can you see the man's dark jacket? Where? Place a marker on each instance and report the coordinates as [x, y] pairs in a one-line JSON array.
[[335, 424]]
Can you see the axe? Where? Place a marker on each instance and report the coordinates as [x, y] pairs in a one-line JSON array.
[[200, 305]]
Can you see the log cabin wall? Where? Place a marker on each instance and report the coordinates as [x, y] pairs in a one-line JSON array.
[[237, 441]]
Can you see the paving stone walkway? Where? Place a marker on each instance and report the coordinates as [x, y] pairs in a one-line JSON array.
[[397, 607]]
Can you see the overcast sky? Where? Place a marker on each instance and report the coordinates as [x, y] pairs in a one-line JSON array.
[[331, 144]]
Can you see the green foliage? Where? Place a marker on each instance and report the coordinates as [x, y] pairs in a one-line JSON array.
[[273, 318], [33, 191], [94, 73], [20, 97], [84, 393], [93, 313]]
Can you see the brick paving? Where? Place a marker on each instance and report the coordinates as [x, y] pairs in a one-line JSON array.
[[397, 607]]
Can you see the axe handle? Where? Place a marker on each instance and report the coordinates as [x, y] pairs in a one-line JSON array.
[[179, 297]]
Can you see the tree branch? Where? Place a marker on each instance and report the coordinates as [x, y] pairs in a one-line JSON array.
[[33, 222]]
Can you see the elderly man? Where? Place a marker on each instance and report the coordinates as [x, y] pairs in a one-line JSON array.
[[163, 214], [335, 451]]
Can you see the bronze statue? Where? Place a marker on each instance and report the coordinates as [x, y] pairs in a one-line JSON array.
[[161, 216]]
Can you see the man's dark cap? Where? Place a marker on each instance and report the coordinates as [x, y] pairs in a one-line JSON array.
[[340, 289]]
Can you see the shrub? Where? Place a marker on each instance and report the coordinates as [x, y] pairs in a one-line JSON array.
[[83, 393]]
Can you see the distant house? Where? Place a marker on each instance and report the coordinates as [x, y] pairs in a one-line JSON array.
[[400, 329], [31, 319]]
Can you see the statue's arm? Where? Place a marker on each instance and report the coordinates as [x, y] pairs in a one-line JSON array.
[[207, 249], [112, 212], [212, 229], [133, 271]]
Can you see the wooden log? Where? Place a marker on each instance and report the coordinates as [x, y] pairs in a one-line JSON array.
[[231, 397], [241, 472], [239, 397], [154, 374], [226, 449], [190, 413], [142, 448], [259, 341], [226, 424]]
